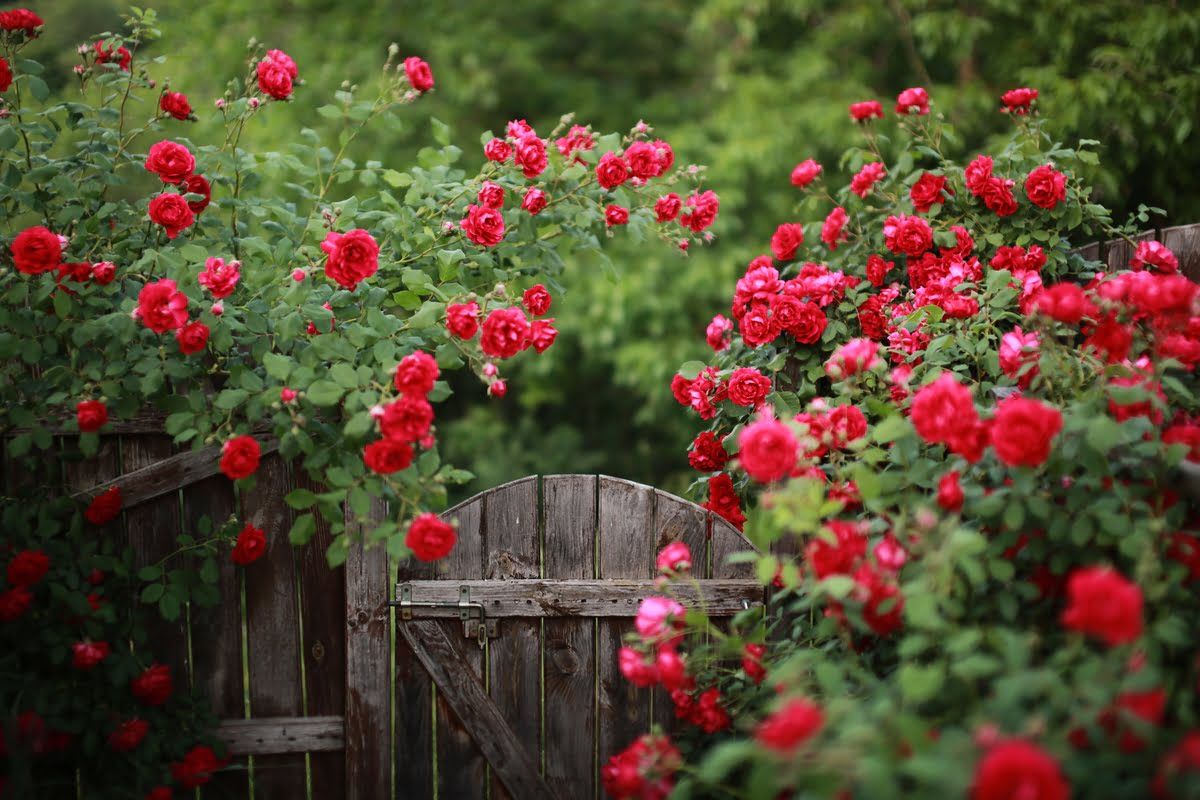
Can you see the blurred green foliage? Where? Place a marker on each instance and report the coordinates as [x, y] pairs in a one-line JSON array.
[[748, 87]]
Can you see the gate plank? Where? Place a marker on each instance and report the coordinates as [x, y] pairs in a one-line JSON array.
[[1184, 241], [368, 664], [514, 659], [569, 546], [727, 540], [461, 767], [1118, 251], [442, 654], [324, 637], [626, 523], [413, 693], [273, 627]]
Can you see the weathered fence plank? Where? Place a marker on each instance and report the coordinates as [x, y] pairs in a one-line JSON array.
[[273, 626], [1184, 241], [274, 735], [413, 704], [569, 548], [1118, 251]]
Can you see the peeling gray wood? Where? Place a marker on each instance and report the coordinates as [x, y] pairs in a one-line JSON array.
[[276, 735]]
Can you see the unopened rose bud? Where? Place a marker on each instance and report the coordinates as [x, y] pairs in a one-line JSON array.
[[63, 241], [252, 102], [489, 369], [82, 49], [498, 389], [987, 735], [684, 244], [448, 227], [693, 169], [3, 113], [218, 308], [709, 236], [641, 126], [393, 49], [79, 69], [926, 519], [427, 441], [299, 275], [151, 84], [376, 411], [287, 395], [219, 103]]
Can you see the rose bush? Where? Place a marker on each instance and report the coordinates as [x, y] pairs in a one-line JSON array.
[[963, 481], [293, 295]]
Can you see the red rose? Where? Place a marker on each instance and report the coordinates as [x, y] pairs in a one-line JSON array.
[[192, 338], [91, 415], [497, 150], [406, 419], [748, 387], [128, 735], [1103, 603], [386, 456], [805, 173], [1145, 707], [831, 230], [430, 538], [787, 240], [1153, 254], [536, 300], [644, 770], [530, 156], [274, 79], [615, 215], [949, 493], [1018, 101], [913, 101], [159, 793], [577, 140], [20, 19], [757, 326], [977, 174], [998, 197], [251, 544], [172, 162], [197, 767], [767, 450], [462, 319], [877, 269], [1065, 302], [491, 195], [927, 191], [716, 332], [701, 211], [667, 207], [353, 257], [484, 226], [1179, 768], [905, 235], [175, 104], [534, 201], [239, 457], [284, 60], [419, 74], [865, 110], [943, 411], [542, 334], [867, 177], [1046, 187], [28, 567], [785, 730], [104, 507], [104, 272], [86, 655], [14, 603], [121, 55], [154, 686], [708, 452], [161, 306], [6, 76], [36, 250], [1016, 768], [220, 278], [611, 171], [505, 333], [752, 655], [416, 373], [1023, 430], [642, 159], [197, 184], [723, 500], [172, 212]]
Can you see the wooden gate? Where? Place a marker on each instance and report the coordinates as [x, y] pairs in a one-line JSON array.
[[555, 567]]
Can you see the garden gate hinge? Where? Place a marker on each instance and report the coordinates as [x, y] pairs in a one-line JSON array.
[[476, 624]]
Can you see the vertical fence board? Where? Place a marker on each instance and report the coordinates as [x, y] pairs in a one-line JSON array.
[[1184, 241], [151, 529], [324, 636], [626, 520], [1091, 252], [514, 658], [217, 631], [727, 540], [461, 768], [273, 627], [1118, 251], [368, 666], [569, 541], [413, 695]]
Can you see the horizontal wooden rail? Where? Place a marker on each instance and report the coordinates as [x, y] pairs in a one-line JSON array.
[[169, 475], [577, 598], [273, 735]]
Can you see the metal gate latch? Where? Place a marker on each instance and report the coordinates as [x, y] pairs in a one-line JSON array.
[[476, 624]]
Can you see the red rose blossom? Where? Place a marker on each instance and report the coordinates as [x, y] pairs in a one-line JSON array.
[[239, 457], [611, 171], [534, 201], [491, 195], [386, 456], [161, 306], [170, 161], [104, 507], [6, 76], [867, 177], [274, 79], [483, 226], [905, 235], [785, 730], [91, 415], [748, 387], [708, 452], [805, 173], [530, 156], [462, 319], [20, 19], [86, 655], [928, 191], [505, 333], [536, 300], [128, 735], [192, 338], [1103, 603], [28, 567], [1018, 769], [407, 419], [1046, 187], [615, 215], [175, 104], [643, 771], [542, 334], [418, 73], [497, 150], [723, 500], [1023, 431], [1153, 254], [36, 250], [667, 207], [219, 277], [251, 544], [913, 101], [353, 257], [430, 538], [120, 54], [197, 767], [197, 184], [700, 211], [866, 110], [832, 230], [416, 373], [787, 240], [172, 212], [153, 687], [14, 603], [1018, 101], [767, 450]]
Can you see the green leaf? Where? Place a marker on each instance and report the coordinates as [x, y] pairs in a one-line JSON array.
[[149, 573], [302, 530], [324, 393], [1103, 432], [153, 593], [920, 683], [344, 375], [231, 398], [691, 369], [300, 498], [278, 367]]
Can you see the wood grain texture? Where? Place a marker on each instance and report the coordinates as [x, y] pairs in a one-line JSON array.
[[151, 530], [323, 628], [727, 540], [626, 537], [368, 664], [462, 770], [164, 473], [677, 520], [1184, 241], [442, 655], [1118, 252], [514, 658], [273, 626], [569, 676], [1090, 251], [274, 735], [413, 707]]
